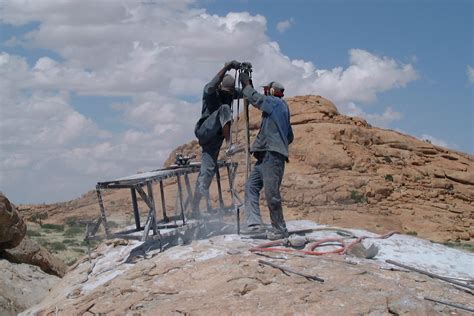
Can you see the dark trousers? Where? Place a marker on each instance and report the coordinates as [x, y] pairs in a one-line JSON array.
[[267, 174], [206, 173], [209, 134]]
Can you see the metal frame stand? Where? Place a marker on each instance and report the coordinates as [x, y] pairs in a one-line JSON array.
[[137, 183]]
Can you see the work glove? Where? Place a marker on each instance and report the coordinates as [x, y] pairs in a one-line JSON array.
[[244, 79], [232, 65]]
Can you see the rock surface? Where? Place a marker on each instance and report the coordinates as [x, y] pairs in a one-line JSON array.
[[22, 286], [220, 276], [343, 171], [29, 252], [13, 228]]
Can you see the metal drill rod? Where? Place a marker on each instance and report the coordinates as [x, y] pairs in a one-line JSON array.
[[247, 139], [276, 266], [430, 274], [466, 308]]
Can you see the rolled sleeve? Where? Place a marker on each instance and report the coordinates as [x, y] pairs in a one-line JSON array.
[[255, 98]]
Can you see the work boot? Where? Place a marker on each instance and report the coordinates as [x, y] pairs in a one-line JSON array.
[[253, 230], [232, 150], [274, 234]]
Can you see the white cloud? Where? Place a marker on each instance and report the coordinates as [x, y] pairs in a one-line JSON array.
[[157, 53], [284, 25], [380, 120], [435, 141], [470, 74]]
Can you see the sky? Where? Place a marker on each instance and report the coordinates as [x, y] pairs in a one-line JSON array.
[[95, 90]]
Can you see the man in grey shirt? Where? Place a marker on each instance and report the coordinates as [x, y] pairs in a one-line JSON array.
[[213, 127], [271, 150]]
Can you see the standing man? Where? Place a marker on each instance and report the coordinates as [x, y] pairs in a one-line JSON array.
[[213, 127], [271, 150]]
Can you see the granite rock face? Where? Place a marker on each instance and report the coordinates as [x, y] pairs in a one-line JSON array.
[[12, 226], [30, 252], [22, 286]]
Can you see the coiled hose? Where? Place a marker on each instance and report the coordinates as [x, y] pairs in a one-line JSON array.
[[343, 246]]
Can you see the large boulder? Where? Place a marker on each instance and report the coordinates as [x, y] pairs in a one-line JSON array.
[[12, 226], [22, 286], [28, 251]]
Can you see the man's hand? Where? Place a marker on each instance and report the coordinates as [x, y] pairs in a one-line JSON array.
[[232, 65], [244, 78]]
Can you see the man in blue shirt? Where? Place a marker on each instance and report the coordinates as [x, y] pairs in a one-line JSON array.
[[271, 150], [213, 127]]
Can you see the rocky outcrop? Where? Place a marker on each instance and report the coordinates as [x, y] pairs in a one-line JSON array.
[[220, 276], [342, 171], [12, 226], [29, 252], [22, 286]]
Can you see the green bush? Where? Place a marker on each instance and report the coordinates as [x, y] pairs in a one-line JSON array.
[[71, 242], [74, 222], [57, 246], [80, 250], [357, 197], [412, 233], [388, 177], [92, 242], [53, 227], [73, 231], [38, 217], [33, 233], [43, 242]]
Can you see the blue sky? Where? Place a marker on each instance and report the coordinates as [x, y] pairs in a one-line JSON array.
[[435, 36], [94, 90]]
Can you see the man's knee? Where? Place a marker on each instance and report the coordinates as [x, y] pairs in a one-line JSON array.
[[225, 109], [225, 114], [252, 189]]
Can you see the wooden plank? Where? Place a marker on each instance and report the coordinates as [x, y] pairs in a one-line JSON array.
[[102, 212], [163, 204], [180, 196], [144, 196], [96, 227], [189, 191], [153, 211], [219, 188], [136, 212]]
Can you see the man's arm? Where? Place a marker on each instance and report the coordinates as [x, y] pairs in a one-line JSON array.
[[214, 83], [291, 136], [255, 98]]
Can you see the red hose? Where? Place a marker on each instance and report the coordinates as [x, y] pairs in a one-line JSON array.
[[344, 248]]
